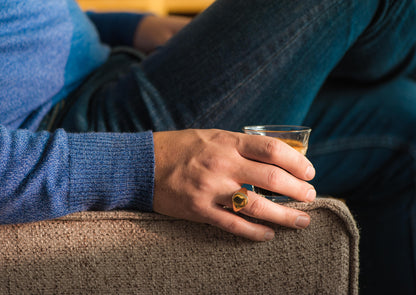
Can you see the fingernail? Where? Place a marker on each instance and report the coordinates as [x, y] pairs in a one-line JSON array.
[[302, 221], [268, 236], [310, 172], [311, 195]]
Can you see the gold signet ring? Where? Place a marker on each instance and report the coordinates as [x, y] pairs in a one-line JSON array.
[[240, 199]]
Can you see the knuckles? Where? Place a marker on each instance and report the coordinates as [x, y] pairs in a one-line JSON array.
[[224, 138], [204, 185], [232, 226], [274, 178], [273, 147], [216, 163], [257, 208]]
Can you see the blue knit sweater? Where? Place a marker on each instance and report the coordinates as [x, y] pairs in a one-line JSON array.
[[47, 48]]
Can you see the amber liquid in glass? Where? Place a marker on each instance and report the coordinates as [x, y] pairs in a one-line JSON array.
[[301, 148]]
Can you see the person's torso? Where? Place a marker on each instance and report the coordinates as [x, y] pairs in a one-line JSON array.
[[46, 49]]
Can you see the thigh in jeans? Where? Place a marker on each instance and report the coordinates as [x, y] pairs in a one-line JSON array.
[[363, 146], [263, 62]]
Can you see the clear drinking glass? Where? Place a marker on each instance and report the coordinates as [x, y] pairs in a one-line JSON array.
[[295, 136]]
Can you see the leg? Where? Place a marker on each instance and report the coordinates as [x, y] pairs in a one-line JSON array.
[[251, 62], [364, 148], [266, 76], [263, 62]]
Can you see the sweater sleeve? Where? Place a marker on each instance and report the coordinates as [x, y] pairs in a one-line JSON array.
[[116, 28], [46, 175]]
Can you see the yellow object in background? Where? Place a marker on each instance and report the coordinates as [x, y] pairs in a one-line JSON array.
[[160, 7]]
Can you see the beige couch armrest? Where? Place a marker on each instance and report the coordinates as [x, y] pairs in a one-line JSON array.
[[145, 253]]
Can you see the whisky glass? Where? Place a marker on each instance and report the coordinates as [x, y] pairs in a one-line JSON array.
[[295, 136]]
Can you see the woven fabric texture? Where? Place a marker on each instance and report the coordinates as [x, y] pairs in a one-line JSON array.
[[145, 253]]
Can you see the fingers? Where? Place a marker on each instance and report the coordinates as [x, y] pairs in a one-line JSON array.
[[262, 208], [236, 225], [259, 208], [273, 151], [197, 171], [275, 179], [287, 174]]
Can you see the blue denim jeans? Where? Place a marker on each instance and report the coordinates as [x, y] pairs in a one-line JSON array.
[[343, 67]]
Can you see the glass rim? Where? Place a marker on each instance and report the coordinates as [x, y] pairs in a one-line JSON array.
[[271, 128]]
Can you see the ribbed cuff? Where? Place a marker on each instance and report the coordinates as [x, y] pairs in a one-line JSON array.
[[111, 171]]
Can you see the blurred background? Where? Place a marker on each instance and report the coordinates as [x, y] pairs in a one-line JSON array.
[[160, 7]]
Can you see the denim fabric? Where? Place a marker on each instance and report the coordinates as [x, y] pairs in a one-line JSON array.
[[115, 98], [265, 62], [342, 67], [364, 149]]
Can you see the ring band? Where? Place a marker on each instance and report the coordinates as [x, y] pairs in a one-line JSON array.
[[240, 199]]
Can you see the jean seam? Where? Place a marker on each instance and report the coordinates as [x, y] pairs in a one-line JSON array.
[[214, 108]]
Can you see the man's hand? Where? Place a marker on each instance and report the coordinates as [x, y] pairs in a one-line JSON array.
[[154, 31], [197, 172]]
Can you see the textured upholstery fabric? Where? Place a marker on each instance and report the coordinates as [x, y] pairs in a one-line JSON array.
[[145, 253]]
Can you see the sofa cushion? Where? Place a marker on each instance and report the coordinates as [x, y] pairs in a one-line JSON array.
[[145, 253]]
